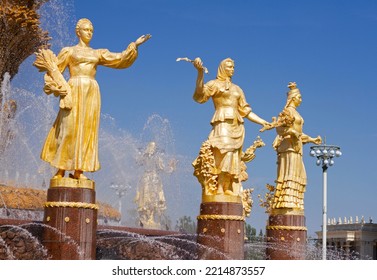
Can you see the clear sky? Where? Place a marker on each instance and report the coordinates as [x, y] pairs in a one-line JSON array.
[[327, 47]]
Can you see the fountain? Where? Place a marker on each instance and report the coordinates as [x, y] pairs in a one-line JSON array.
[[23, 194], [21, 133], [21, 34], [150, 198]]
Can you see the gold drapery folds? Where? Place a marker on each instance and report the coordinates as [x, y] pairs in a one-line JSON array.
[[291, 175], [72, 143], [220, 166]]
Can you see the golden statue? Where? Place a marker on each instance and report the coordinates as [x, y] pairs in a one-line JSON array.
[[72, 143], [219, 166], [150, 198], [291, 174]]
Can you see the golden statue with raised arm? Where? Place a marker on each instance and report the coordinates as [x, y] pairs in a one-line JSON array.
[[72, 143], [291, 174], [223, 149], [150, 198]]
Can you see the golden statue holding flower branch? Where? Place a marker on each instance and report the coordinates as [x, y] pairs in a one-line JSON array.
[[220, 166]]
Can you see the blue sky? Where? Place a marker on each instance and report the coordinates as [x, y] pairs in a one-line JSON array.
[[327, 47]]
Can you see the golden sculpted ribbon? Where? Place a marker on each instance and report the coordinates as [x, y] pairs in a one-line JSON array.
[[287, 228], [221, 217], [71, 204]]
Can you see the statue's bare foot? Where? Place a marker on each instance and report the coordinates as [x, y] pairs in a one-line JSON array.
[[59, 174], [79, 175], [220, 191], [83, 177], [229, 192]]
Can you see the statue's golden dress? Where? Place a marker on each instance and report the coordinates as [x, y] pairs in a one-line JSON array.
[[72, 143], [291, 176], [228, 132]]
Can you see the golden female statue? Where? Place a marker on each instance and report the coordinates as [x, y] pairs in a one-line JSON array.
[[72, 143], [226, 139], [291, 174], [150, 198]]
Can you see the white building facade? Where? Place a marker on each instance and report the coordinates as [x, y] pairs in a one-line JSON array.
[[351, 239]]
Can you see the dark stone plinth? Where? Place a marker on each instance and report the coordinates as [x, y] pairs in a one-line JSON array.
[[221, 227], [71, 214], [286, 237]]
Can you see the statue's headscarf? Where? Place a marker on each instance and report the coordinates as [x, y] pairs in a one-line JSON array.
[[221, 75], [293, 92]]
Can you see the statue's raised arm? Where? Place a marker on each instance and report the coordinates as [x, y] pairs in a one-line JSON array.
[[72, 143], [219, 167], [199, 89], [291, 174], [142, 39]]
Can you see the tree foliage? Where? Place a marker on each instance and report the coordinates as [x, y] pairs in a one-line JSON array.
[[186, 225]]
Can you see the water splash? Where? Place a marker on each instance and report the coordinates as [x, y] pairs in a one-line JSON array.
[[21, 244], [58, 17], [119, 244], [26, 132], [158, 130], [117, 153], [256, 250], [5, 113], [190, 248], [69, 242], [25, 242], [5, 251]]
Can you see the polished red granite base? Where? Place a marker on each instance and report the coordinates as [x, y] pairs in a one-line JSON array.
[[71, 214], [286, 237], [221, 227]]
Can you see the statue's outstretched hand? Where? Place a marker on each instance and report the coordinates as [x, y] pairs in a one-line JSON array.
[[142, 39], [267, 126], [198, 64], [317, 140]]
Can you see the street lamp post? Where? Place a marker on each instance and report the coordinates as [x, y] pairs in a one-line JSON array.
[[120, 191], [325, 156]]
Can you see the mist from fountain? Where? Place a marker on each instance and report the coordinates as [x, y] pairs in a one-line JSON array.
[[19, 161], [20, 165], [5, 117], [24, 133], [256, 250], [119, 153], [24, 242], [18, 243], [114, 244]]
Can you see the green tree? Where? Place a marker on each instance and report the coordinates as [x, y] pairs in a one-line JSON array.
[[186, 225], [250, 232], [254, 247]]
